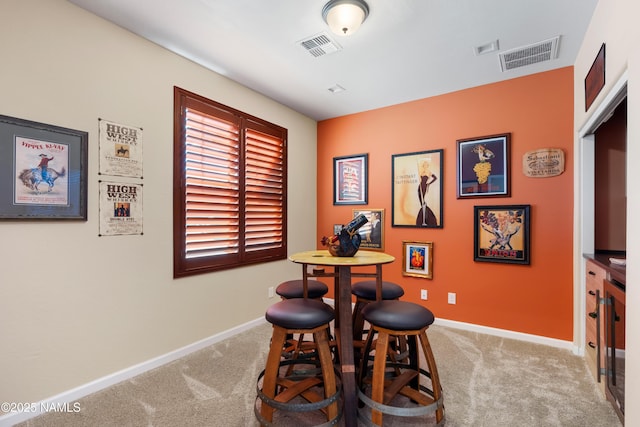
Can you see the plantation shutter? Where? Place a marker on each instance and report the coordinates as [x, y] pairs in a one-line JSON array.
[[212, 166], [264, 191], [229, 187]]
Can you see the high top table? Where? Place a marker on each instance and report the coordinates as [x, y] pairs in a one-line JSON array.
[[342, 275]]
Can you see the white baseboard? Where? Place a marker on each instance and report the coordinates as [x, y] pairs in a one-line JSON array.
[[128, 373], [552, 342], [537, 339], [59, 400]]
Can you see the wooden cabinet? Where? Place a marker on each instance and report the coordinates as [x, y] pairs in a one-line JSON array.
[[595, 340]]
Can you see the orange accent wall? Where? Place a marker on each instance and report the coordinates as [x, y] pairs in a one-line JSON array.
[[538, 112]]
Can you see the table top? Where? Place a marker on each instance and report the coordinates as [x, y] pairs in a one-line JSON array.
[[323, 257]]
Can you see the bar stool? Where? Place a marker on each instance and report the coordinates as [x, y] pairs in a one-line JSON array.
[[294, 289], [298, 316], [391, 320]]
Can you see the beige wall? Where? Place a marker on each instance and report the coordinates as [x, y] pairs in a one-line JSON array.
[[71, 301], [75, 307], [615, 23]]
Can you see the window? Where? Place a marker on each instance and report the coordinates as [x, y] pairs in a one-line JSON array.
[[230, 180]]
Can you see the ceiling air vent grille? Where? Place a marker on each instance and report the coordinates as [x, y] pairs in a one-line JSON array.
[[532, 54], [319, 45]]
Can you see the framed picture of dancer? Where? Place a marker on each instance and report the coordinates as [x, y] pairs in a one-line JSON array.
[[483, 166], [501, 233], [417, 189], [43, 171]]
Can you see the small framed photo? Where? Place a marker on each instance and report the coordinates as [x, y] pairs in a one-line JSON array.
[[372, 233], [43, 171], [416, 189], [417, 259], [350, 180], [501, 234], [483, 166]]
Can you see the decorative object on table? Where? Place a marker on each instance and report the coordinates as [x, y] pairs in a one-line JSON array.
[[43, 169], [417, 189], [372, 233], [594, 81], [350, 176], [501, 233], [543, 163], [417, 259], [347, 242], [483, 166]]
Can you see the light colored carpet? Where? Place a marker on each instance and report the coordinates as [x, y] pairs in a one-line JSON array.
[[486, 380]]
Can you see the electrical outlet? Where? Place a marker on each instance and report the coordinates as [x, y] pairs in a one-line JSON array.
[[452, 298], [272, 292], [423, 294]]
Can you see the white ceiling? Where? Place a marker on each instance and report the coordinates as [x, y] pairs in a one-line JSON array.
[[405, 50]]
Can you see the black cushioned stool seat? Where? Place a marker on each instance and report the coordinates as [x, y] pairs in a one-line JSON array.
[[301, 314], [396, 383], [294, 289], [277, 387], [366, 289], [398, 315]]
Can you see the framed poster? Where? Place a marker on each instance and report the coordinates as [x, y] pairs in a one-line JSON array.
[[120, 149], [372, 233], [501, 233], [350, 176], [43, 171], [483, 166], [417, 259], [120, 208], [417, 189]]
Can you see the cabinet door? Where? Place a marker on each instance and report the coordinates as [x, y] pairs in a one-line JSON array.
[[595, 344]]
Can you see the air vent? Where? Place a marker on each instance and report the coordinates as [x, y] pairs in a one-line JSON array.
[[531, 54], [319, 45]]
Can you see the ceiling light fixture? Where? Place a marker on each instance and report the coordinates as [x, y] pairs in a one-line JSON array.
[[344, 17]]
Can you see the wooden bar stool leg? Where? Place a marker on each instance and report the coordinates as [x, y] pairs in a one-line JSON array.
[[379, 365], [433, 371], [326, 363], [358, 321], [271, 371]]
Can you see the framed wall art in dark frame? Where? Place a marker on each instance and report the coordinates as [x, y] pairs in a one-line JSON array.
[[483, 166], [43, 171], [350, 180], [501, 234], [416, 189], [595, 78]]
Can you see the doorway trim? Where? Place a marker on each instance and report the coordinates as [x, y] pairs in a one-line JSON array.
[[584, 202]]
